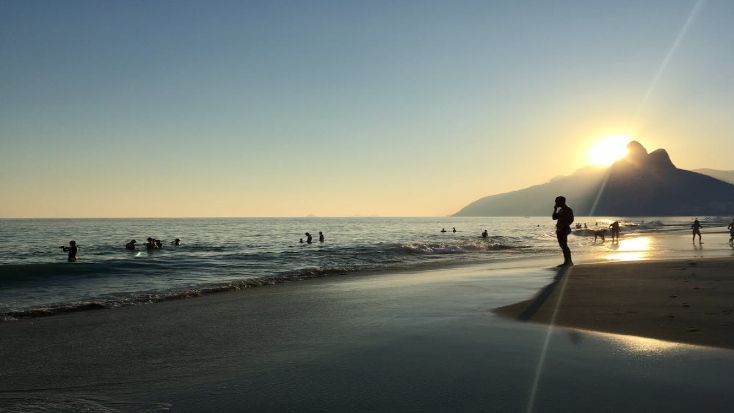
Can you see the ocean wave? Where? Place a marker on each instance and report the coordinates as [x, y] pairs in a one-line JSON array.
[[657, 224], [11, 273], [466, 247], [133, 299]]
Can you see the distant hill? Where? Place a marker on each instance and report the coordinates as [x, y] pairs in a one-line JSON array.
[[640, 184], [726, 176]]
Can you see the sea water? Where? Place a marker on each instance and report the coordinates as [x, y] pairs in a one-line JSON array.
[[219, 254]]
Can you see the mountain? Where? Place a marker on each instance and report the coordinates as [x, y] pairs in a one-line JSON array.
[[640, 184], [726, 176]]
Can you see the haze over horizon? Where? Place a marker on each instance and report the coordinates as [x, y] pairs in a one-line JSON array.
[[275, 109]]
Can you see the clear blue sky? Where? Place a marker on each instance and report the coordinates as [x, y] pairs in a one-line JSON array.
[[337, 108]]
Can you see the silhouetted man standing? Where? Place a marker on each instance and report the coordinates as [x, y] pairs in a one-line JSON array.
[[564, 216]]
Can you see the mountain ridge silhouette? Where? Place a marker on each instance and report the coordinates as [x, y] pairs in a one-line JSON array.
[[640, 184]]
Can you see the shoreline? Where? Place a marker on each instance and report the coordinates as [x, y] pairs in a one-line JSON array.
[[144, 298], [685, 300], [398, 341]]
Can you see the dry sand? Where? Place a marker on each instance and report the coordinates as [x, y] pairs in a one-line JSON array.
[[687, 301]]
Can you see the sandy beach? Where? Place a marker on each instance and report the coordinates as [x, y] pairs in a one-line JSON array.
[[423, 341], [687, 301]]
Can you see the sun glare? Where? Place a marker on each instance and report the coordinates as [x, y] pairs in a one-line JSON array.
[[608, 150]]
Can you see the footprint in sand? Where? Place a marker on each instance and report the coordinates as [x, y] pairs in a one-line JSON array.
[[686, 305]]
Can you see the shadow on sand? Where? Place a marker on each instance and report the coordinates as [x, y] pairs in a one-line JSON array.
[[537, 303]]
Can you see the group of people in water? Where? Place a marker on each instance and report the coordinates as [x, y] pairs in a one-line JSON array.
[[151, 244], [309, 238], [562, 214]]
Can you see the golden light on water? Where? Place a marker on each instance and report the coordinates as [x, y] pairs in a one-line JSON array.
[[608, 150], [634, 249], [641, 345]]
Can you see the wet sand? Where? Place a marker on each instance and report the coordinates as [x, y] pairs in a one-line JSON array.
[[686, 301], [410, 342], [383, 342]]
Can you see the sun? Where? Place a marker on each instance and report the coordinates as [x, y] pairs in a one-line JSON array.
[[608, 150]]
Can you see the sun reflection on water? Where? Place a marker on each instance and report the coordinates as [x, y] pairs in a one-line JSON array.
[[643, 345], [634, 249]]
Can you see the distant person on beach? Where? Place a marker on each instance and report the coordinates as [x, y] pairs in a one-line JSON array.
[[321, 236], [731, 232], [696, 227], [485, 234], [130, 245], [308, 238], [73, 251], [443, 229], [615, 230], [564, 217], [454, 229], [176, 242], [599, 234]]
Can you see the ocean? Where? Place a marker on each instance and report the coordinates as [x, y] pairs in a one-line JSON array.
[[220, 254]]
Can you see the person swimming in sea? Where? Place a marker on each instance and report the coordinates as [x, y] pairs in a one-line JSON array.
[[176, 242], [321, 236], [150, 245], [73, 251], [485, 234], [308, 238], [443, 229], [130, 245]]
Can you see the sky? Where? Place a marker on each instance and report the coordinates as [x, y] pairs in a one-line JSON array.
[[344, 108]]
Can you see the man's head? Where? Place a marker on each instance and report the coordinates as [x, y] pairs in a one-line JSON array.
[[560, 201]]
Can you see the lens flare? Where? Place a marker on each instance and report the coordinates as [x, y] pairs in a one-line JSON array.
[[608, 150]]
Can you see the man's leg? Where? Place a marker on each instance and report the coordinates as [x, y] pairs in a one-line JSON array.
[[563, 243]]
